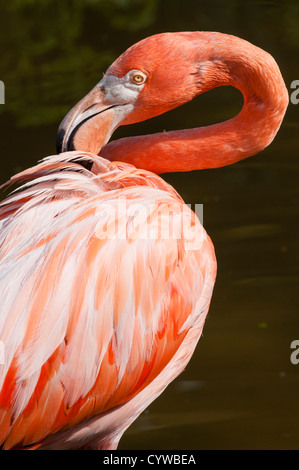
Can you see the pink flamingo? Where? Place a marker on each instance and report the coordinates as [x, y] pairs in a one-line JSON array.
[[95, 324]]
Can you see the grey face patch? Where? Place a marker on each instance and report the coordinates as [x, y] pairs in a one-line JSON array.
[[121, 90]]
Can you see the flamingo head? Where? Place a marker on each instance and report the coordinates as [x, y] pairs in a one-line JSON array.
[[153, 76]]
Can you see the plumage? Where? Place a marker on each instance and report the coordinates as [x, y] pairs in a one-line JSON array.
[[108, 332]]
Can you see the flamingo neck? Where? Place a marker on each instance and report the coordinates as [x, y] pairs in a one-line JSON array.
[[242, 65]]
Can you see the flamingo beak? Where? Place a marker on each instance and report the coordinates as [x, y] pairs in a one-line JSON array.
[[89, 124]]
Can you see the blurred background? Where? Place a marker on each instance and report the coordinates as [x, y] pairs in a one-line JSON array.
[[240, 391]]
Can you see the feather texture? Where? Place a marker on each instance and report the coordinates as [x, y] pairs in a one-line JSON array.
[[96, 300]]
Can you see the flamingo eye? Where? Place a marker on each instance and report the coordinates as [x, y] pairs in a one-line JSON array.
[[138, 78]]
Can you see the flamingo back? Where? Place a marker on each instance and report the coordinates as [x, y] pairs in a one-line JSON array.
[[96, 299]]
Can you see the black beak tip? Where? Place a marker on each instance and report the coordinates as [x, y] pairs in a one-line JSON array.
[[59, 140]]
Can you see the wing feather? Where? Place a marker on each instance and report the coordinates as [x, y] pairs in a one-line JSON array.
[[89, 316]]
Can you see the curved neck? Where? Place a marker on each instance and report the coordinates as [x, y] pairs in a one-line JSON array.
[[237, 63]]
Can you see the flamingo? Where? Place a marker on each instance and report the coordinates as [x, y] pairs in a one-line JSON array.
[[99, 310]]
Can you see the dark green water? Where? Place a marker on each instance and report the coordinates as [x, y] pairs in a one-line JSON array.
[[240, 391]]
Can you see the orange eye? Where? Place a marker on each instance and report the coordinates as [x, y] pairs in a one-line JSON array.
[[138, 78]]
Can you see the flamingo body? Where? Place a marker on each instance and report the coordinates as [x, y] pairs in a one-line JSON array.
[[106, 276], [91, 321]]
